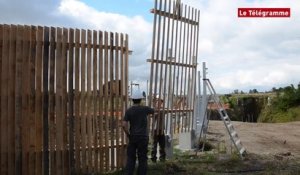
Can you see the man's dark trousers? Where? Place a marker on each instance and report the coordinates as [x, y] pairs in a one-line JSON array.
[[158, 139], [137, 144]]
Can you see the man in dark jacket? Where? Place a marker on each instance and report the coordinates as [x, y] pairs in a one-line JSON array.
[[136, 117], [158, 133]]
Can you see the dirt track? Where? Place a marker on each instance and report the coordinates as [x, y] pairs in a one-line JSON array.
[[261, 138]]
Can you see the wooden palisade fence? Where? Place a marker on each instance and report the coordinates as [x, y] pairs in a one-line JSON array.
[[174, 62], [63, 92]]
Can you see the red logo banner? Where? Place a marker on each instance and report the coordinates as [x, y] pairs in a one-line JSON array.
[[264, 12]]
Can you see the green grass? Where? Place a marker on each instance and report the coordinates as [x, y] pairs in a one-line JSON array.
[[269, 115]]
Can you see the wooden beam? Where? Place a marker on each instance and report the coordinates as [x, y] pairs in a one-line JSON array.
[[174, 16]]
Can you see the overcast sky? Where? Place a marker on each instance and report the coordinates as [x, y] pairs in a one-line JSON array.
[[240, 53]]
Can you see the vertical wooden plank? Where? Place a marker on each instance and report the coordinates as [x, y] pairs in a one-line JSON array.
[[1, 45], [186, 61], [182, 67], [46, 101], [11, 100], [71, 102], [162, 58], [25, 101], [4, 99], [178, 52], [190, 77], [32, 110], [196, 39], [39, 102], [58, 102], [101, 99], [152, 55], [65, 126], [106, 100], [95, 104], [123, 107], [117, 100], [170, 75], [111, 99], [83, 101], [77, 102], [167, 64], [157, 56], [89, 117], [126, 69], [52, 127], [18, 100]]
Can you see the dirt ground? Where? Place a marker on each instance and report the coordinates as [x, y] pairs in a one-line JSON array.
[[270, 139]]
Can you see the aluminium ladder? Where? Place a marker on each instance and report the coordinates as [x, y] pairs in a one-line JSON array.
[[227, 122]]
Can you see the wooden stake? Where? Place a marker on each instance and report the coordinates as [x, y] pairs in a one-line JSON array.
[[71, 102], [77, 104], [11, 99], [39, 102], [83, 102]]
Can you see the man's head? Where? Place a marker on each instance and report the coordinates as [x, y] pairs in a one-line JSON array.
[[137, 96]]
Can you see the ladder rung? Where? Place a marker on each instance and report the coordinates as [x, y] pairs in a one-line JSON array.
[[238, 142], [229, 125], [233, 133], [242, 150], [226, 117]]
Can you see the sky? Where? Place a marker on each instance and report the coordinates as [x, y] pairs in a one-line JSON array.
[[240, 53]]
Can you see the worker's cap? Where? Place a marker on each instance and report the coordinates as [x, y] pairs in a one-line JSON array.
[[137, 94]]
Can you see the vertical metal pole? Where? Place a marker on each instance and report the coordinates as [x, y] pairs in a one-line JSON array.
[[204, 101], [197, 117]]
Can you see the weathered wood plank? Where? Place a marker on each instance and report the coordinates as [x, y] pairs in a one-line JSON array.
[[126, 70], [162, 66], [83, 102], [77, 102], [89, 104], [4, 99], [111, 99], [71, 102], [11, 99], [39, 102], [117, 100], [106, 101], [46, 102], [65, 126], [95, 104], [167, 78], [58, 101], [152, 59], [52, 112], [25, 101], [176, 68], [185, 82], [190, 81], [101, 99], [123, 106], [157, 78], [32, 92], [1, 45], [18, 101]]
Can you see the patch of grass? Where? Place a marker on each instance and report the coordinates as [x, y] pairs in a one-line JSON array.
[[214, 162], [269, 115]]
